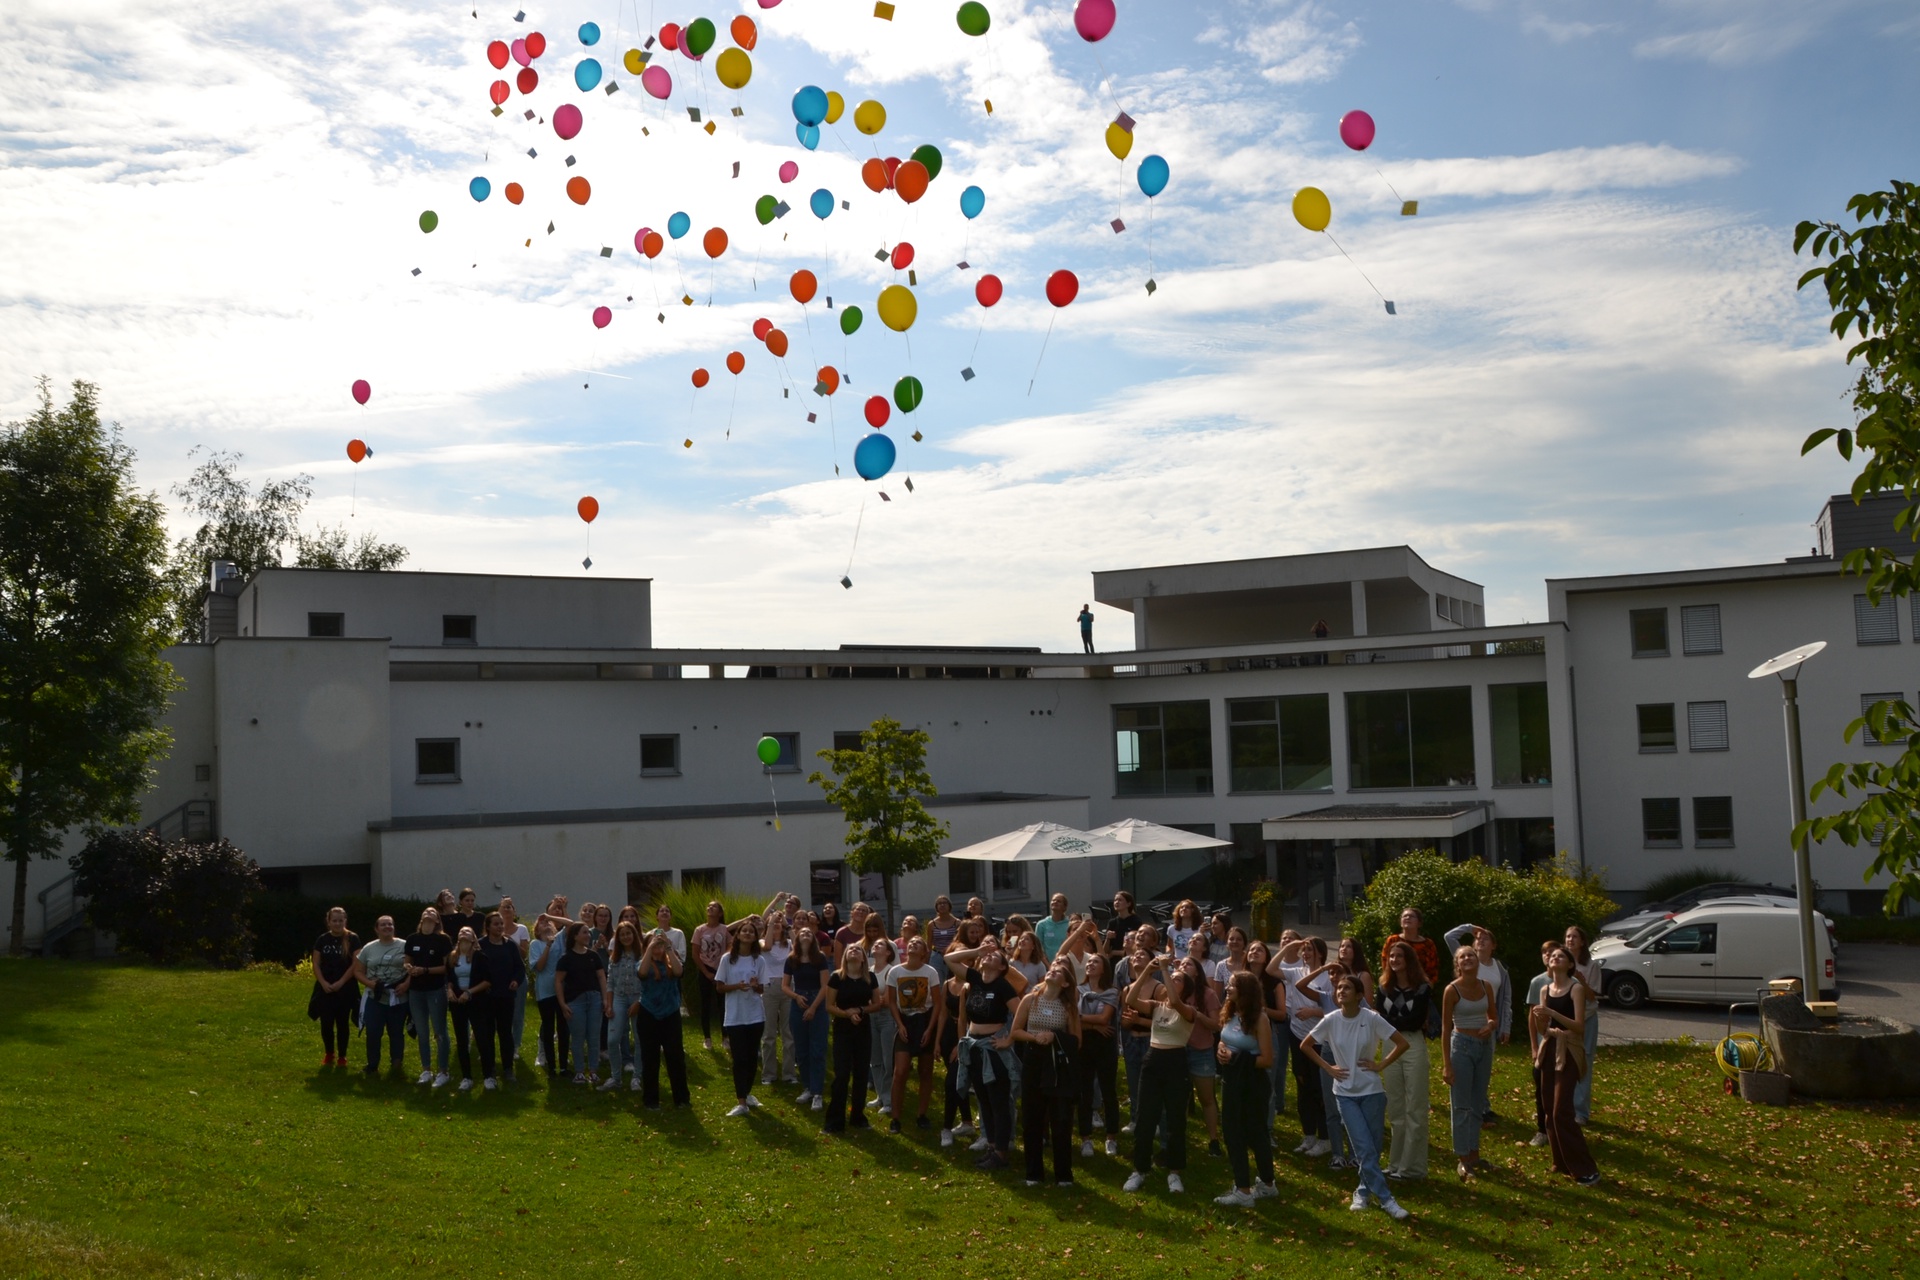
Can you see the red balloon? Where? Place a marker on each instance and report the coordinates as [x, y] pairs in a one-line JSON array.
[[910, 180], [362, 391], [356, 449], [803, 286], [602, 317], [536, 44], [715, 242], [499, 91], [777, 343], [528, 80], [670, 35], [735, 362], [878, 411], [579, 190], [497, 54], [874, 174], [653, 244], [988, 290], [761, 328], [745, 34], [902, 256], [700, 377], [829, 377], [588, 509], [1062, 288], [892, 165], [515, 193]]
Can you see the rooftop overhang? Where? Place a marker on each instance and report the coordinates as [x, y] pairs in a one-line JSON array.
[[1347, 822]]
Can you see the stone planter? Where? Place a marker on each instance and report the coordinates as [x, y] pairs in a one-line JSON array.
[[1854, 1057]]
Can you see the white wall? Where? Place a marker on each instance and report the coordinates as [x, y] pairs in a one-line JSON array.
[[581, 612]]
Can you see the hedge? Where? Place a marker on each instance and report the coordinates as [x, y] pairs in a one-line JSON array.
[[286, 924]]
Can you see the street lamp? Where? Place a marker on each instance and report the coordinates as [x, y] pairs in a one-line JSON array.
[[1787, 667]]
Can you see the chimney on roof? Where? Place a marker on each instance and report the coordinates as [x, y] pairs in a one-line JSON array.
[[1845, 526], [220, 615]]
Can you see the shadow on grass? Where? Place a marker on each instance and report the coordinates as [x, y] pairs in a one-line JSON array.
[[44, 998]]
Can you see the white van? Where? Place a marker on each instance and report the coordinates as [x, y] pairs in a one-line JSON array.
[[1718, 953]]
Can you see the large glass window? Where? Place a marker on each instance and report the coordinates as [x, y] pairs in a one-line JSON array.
[[1163, 750], [1410, 738], [1280, 744], [1521, 757]]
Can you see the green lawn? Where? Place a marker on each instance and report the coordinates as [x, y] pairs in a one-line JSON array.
[[160, 1123]]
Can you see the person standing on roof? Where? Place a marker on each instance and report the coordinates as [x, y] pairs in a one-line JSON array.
[[1086, 627]]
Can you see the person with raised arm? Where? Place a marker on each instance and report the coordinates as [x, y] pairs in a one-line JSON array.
[[984, 1053], [1245, 1053], [1166, 1087], [658, 1014], [1046, 1026]]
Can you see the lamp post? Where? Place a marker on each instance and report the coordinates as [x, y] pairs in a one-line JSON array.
[[1787, 667]]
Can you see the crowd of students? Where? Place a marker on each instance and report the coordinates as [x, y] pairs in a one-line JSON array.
[[1035, 1021]]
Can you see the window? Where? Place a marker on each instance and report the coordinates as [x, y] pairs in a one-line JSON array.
[[789, 761], [1706, 726], [1649, 632], [436, 759], [705, 879], [1410, 738], [1656, 728], [1660, 823], [1712, 822], [644, 888], [846, 740], [203, 773], [1009, 879], [1699, 629], [1915, 602], [332, 625], [1280, 744], [963, 878], [1875, 623], [1691, 940], [458, 628], [1521, 754], [827, 882], [659, 755], [1163, 750], [1894, 734]]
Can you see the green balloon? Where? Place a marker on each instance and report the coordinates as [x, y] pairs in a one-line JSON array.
[[699, 36], [907, 393], [763, 209], [929, 155], [974, 18], [769, 748], [850, 319], [429, 220]]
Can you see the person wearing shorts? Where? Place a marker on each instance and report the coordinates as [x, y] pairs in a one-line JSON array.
[[913, 997]]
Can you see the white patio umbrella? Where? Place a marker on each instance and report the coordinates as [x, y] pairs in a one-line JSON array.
[[1042, 842], [1140, 836]]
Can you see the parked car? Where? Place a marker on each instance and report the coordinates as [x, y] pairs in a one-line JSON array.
[[1721, 952], [1640, 917]]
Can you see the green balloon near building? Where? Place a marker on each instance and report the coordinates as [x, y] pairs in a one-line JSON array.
[[763, 209], [768, 751], [699, 36], [974, 18], [429, 220], [928, 155], [907, 393], [850, 319]]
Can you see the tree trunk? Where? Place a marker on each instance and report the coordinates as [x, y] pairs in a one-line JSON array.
[[17, 942], [892, 883]]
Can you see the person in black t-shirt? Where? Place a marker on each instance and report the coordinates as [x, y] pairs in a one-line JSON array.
[[336, 996], [804, 981], [465, 917], [508, 972], [1122, 923], [580, 984], [427, 952], [852, 998]]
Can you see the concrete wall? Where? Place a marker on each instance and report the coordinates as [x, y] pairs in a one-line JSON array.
[[408, 607]]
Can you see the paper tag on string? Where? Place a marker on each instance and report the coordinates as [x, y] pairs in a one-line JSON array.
[[916, 437], [606, 251], [528, 116], [662, 317], [1151, 286], [1118, 226], [736, 168], [520, 16], [989, 102], [498, 110], [909, 484], [845, 581], [846, 204], [416, 271], [883, 11], [613, 87], [1125, 121], [687, 443], [649, 43], [693, 114], [781, 210], [819, 389], [813, 417], [738, 112], [964, 265], [829, 302], [686, 299], [531, 153], [966, 374], [911, 278], [1390, 310], [1409, 207], [570, 162], [709, 128], [884, 497], [880, 255], [549, 228]]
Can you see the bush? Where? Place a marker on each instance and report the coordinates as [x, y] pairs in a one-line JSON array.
[[285, 924], [1878, 928], [1522, 910], [689, 906], [170, 902], [1663, 887]]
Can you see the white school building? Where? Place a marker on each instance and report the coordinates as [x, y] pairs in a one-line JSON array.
[[402, 732]]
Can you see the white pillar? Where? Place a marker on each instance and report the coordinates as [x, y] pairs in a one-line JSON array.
[[1140, 622], [1359, 590]]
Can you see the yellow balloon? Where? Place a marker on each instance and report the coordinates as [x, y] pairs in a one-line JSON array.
[[869, 117], [636, 62], [897, 308], [1119, 141], [1311, 208], [836, 107], [734, 68]]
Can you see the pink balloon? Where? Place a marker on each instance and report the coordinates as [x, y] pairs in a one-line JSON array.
[[789, 171], [602, 317], [567, 121], [520, 54], [1093, 19], [640, 240], [362, 392], [691, 56], [656, 81], [1356, 130], [768, 4]]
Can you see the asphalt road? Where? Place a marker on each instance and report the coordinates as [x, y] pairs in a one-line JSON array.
[[1875, 978]]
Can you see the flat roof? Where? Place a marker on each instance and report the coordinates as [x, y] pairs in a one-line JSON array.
[[676, 812]]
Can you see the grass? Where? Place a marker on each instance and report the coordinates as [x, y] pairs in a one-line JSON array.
[[171, 1122]]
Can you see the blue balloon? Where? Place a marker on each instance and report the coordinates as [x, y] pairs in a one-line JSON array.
[[1153, 176], [972, 201], [479, 188], [809, 135], [821, 203], [873, 456], [587, 74], [678, 225], [810, 105], [589, 33]]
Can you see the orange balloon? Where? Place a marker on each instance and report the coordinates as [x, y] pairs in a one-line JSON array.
[[735, 362], [701, 377], [745, 34], [515, 193], [652, 244], [588, 509], [578, 190], [356, 449], [803, 286], [777, 343], [716, 242], [874, 174], [829, 378], [910, 180]]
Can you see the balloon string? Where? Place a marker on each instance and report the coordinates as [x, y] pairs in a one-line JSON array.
[[354, 506], [1043, 351], [1108, 76], [856, 534], [1149, 237], [1356, 266], [731, 404], [976, 342], [1396, 194], [776, 800]]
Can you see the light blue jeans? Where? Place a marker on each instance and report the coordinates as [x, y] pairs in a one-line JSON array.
[[1364, 1120], [519, 1015], [1336, 1124], [584, 1030], [620, 1033], [880, 1068], [1277, 1074], [1583, 1092], [1472, 1074], [810, 1047], [430, 1007]]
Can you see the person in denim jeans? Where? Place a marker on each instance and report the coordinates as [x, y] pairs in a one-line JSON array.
[[427, 953], [623, 988], [1259, 957], [581, 988], [381, 967], [1466, 1029], [804, 980], [1346, 1045]]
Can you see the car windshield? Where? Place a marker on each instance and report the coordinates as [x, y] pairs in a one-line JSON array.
[[1649, 933]]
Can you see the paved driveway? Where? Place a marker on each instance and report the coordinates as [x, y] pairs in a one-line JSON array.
[[1874, 978]]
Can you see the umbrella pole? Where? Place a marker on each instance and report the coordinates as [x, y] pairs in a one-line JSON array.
[[1046, 877]]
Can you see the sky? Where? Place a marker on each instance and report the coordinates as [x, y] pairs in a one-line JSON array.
[[1598, 362]]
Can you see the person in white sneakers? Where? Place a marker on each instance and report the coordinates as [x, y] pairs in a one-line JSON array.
[[1099, 1057], [804, 979], [1165, 1086], [740, 981], [1245, 1055], [1346, 1045]]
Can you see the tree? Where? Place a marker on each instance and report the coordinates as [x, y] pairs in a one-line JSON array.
[[170, 902], [253, 529], [83, 620], [1872, 279], [880, 788]]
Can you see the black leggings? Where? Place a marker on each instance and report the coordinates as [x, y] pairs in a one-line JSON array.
[[660, 1038], [336, 1027], [1306, 1092], [996, 1100], [496, 1027], [852, 1066], [1045, 1115], [1099, 1064], [466, 1020], [550, 1032], [744, 1043], [709, 1005], [1244, 1089]]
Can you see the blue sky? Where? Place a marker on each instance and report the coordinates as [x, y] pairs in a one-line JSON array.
[[1599, 365]]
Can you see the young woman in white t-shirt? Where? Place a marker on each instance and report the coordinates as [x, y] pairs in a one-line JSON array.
[[1346, 1045], [776, 1048], [881, 957], [740, 981]]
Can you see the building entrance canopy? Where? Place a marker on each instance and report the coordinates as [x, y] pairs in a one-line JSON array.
[[1345, 823]]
